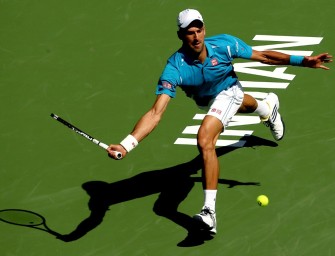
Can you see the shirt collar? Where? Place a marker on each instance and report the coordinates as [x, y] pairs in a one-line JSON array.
[[210, 51]]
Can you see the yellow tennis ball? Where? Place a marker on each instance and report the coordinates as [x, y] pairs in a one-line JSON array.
[[263, 200]]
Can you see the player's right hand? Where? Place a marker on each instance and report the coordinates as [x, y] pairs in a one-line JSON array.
[[112, 149]]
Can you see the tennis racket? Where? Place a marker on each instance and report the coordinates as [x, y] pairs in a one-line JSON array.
[[25, 218], [84, 134]]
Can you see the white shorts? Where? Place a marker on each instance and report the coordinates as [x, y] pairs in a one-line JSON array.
[[226, 104]]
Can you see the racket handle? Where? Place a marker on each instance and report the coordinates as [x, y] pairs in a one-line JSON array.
[[117, 153]]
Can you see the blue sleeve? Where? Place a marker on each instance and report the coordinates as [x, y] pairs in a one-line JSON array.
[[168, 81], [239, 49]]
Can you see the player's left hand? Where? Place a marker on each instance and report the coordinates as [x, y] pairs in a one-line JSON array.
[[318, 61]]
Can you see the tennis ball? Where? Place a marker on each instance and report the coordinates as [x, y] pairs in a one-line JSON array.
[[263, 200]]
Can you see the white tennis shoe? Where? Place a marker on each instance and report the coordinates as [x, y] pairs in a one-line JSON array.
[[207, 220], [274, 120]]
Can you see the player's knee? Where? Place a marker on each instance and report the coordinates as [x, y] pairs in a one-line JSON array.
[[205, 142]]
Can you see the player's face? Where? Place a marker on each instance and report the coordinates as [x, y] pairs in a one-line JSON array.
[[194, 38]]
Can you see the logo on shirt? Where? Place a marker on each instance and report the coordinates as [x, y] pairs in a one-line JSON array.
[[214, 62], [167, 85]]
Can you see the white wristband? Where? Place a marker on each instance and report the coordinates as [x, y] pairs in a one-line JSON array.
[[129, 143]]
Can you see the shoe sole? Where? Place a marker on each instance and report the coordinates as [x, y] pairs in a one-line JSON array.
[[203, 225], [284, 129], [277, 109]]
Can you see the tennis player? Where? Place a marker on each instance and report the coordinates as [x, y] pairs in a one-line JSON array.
[[203, 69]]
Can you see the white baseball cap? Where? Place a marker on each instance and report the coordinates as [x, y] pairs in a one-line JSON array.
[[187, 16]]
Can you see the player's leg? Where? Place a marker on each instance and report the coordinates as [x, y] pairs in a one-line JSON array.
[[249, 105], [208, 134], [220, 112], [267, 110]]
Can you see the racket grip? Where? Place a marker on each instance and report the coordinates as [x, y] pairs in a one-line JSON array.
[[117, 153]]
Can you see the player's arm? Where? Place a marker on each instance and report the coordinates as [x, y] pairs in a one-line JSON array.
[[278, 58], [150, 120], [143, 127]]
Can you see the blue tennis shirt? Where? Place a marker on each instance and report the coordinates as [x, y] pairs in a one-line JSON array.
[[204, 81]]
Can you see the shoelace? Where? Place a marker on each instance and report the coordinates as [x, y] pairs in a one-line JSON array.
[[206, 211], [269, 124]]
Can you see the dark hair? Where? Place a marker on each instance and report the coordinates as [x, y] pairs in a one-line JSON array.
[[196, 23]]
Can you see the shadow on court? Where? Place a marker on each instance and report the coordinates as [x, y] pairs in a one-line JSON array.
[[173, 184], [27, 219]]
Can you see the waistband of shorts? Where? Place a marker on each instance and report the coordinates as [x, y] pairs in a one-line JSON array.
[[204, 101]]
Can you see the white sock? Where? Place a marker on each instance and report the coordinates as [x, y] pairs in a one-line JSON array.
[[262, 109], [210, 198]]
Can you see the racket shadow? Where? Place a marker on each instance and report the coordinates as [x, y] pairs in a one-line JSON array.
[[173, 185], [25, 218]]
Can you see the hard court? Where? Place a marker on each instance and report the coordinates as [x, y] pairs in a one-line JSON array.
[[96, 64]]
